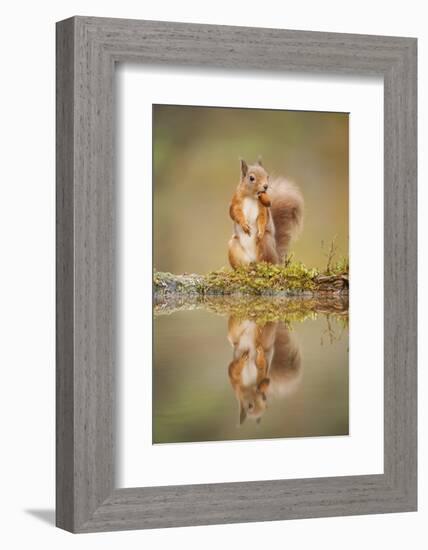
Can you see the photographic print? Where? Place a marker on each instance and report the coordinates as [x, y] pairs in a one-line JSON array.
[[251, 274]]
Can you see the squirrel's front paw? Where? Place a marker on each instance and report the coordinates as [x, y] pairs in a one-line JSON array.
[[245, 355], [246, 228], [259, 236]]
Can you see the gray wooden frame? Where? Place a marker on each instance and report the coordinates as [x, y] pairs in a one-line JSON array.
[[87, 50]]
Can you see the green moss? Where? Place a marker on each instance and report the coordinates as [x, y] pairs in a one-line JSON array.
[[292, 278], [261, 292], [341, 267], [262, 278], [264, 310], [261, 309]]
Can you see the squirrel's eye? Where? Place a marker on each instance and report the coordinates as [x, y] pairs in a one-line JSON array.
[[252, 179]]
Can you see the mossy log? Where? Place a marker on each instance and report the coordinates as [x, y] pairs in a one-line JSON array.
[[255, 280], [262, 291], [262, 309]]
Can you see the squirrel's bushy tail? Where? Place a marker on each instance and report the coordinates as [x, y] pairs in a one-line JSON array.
[[286, 366], [287, 213]]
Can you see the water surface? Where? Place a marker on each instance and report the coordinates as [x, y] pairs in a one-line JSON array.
[[269, 370]]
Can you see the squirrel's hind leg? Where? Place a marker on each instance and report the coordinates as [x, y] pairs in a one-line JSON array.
[[237, 255]]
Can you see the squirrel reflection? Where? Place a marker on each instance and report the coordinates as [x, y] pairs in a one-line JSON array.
[[266, 363]]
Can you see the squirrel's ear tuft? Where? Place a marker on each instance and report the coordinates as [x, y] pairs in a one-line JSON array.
[[242, 414], [259, 160], [244, 168]]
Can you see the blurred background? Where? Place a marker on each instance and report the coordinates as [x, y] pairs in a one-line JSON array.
[[196, 154]]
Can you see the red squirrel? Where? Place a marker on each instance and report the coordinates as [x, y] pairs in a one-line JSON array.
[[267, 214], [266, 364]]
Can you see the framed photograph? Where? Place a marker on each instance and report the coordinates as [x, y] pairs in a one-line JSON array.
[[236, 274]]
